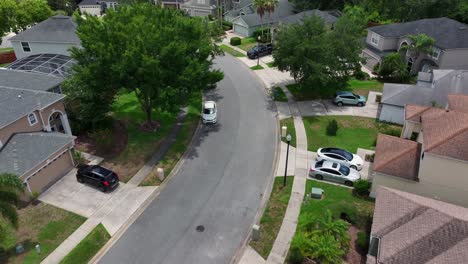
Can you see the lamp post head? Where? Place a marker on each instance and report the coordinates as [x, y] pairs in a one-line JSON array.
[[288, 138]]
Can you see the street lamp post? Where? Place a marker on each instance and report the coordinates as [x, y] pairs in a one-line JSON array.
[[288, 139]]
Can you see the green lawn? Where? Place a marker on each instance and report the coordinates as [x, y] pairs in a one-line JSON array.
[[289, 123], [273, 216], [141, 144], [302, 93], [3, 64], [279, 95], [231, 51], [181, 144], [257, 67], [2, 50], [88, 247], [353, 132], [42, 224], [247, 43], [271, 64]]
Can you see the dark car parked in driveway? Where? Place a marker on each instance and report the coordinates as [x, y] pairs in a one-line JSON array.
[[97, 176], [260, 51]]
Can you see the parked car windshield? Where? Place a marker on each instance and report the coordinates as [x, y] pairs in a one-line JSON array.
[[208, 111], [344, 170], [340, 152], [357, 95]]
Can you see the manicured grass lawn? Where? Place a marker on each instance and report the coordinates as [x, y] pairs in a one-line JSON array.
[[2, 50], [302, 93], [41, 224], [271, 64], [247, 43], [279, 95], [231, 51], [363, 87], [273, 216], [88, 247], [141, 144], [180, 145], [257, 67], [353, 132], [3, 64], [289, 123]]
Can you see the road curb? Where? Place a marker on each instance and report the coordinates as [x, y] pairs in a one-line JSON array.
[[146, 203]]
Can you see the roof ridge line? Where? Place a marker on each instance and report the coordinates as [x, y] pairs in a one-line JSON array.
[[400, 90], [397, 156], [447, 139]]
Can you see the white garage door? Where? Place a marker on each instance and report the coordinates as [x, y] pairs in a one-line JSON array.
[[241, 30]]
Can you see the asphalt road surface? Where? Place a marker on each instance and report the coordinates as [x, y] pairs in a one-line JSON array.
[[219, 187]]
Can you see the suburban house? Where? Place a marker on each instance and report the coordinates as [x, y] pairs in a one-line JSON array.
[[55, 35], [35, 137], [408, 228], [30, 80], [175, 4], [450, 49], [200, 7], [431, 89], [97, 7], [238, 8], [435, 164]]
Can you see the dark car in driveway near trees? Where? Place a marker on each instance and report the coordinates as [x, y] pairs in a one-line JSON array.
[[260, 51], [100, 177]]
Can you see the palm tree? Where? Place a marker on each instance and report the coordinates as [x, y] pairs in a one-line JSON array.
[[261, 7], [10, 186], [270, 9], [421, 43]]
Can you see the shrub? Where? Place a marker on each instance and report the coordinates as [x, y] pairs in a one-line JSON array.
[[363, 241], [78, 158], [393, 69], [295, 256], [262, 35], [361, 187], [370, 157], [235, 41], [227, 24], [360, 75], [102, 138], [332, 127], [378, 98]]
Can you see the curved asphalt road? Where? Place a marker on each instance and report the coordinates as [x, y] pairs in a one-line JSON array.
[[219, 186]]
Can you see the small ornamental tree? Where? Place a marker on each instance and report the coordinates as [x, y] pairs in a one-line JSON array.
[[332, 128]]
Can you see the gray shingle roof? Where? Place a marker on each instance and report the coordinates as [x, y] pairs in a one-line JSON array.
[[448, 33], [16, 103], [24, 151], [297, 18], [283, 9], [98, 2], [444, 83], [28, 80], [57, 29], [416, 229]]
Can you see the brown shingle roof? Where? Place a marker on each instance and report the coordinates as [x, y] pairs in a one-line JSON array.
[[416, 229], [458, 102], [397, 156], [413, 112]]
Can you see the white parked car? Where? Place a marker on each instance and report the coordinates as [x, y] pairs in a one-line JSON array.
[[341, 156], [332, 171], [210, 111]]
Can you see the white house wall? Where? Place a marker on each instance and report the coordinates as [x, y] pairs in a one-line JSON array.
[[94, 10], [392, 114], [41, 48]]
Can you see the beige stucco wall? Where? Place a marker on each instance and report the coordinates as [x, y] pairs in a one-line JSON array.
[[48, 172], [22, 125], [409, 128], [454, 59], [439, 178]]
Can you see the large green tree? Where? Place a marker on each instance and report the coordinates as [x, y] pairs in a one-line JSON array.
[[419, 44], [8, 10], [162, 55], [317, 56], [10, 187]]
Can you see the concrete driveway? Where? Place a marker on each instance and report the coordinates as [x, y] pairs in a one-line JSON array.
[[112, 209]]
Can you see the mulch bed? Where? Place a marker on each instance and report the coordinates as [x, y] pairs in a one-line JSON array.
[[355, 254], [120, 139]]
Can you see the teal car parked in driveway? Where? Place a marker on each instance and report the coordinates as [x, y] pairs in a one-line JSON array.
[[349, 98]]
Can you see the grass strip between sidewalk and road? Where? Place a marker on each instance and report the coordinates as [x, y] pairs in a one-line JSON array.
[[271, 64], [182, 142], [231, 51], [279, 95], [257, 67], [88, 247], [272, 218], [289, 123]]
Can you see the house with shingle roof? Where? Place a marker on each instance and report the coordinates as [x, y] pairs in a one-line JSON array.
[[409, 228], [55, 35], [450, 50], [430, 90], [35, 137], [97, 7], [431, 156]]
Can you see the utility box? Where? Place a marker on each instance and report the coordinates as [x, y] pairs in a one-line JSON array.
[[316, 193], [255, 232], [284, 129], [160, 173]]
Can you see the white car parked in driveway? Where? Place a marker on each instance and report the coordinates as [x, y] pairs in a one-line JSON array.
[[332, 171], [340, 156], [210, 113]]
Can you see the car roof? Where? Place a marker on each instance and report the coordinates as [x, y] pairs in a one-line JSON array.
[[330, 165], [100, 170], [210, 104], [344, 93]]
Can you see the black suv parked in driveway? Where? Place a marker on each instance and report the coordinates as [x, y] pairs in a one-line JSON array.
[[260, 51], [97, 176]]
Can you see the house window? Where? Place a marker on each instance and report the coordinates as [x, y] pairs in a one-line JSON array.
[[374, 246], [25, 46], [435, 53], [32, 119], [375, 39]]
